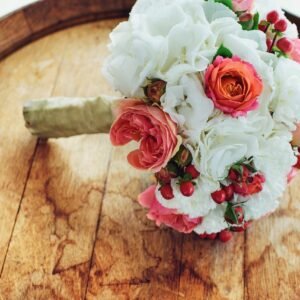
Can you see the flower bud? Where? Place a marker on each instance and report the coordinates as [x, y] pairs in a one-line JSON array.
[[155, 90], [183, 157], [273, 16], [285, 45]]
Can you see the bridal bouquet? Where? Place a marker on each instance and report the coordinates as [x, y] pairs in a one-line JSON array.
[[213, 93], [212, 100]]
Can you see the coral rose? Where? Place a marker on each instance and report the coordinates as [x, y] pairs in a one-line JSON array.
[[233, 85], [149, 125], [295, 54], [163, 215], [242, 5]]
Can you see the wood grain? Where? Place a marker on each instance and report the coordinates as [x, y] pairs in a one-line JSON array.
[[47, 16], [69, 216]]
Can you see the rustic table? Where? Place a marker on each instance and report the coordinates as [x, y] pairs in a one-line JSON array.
[[70, 225]]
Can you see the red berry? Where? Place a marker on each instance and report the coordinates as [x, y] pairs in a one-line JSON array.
[[246, 173], [225, 236], [167, 192], [241, 188], [285, 45], [192, 171], [281, 25], [297, 165], [262, 26], [273, 16], [233, 176], [212, 236], [238, 229], [219, 196], [187, 188], [203, 236], [246, 17], [229, 192]]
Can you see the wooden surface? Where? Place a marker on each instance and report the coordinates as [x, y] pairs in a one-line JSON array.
[[46, 16], [70, 225]]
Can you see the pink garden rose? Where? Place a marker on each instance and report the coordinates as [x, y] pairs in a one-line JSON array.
[[233, 85], [242, 5], [149, 125], [295, 54], [292, 174], [163, 215]]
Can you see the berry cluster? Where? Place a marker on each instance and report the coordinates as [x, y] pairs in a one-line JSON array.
[[275, 27], [179, 168], [244, 181]]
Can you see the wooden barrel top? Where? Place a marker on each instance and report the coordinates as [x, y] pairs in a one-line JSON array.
[[70, 225]]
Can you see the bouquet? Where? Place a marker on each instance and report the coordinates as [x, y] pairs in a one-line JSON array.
[[212, 100]]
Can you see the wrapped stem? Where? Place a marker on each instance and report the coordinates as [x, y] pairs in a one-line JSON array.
[[65, 117]]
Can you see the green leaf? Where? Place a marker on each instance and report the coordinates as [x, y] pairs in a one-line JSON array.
[[255, 21], [224, 52], [227, 3], [230, 214]]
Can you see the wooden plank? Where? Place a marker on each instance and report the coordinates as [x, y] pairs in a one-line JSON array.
[[24, 75], [272, 256], [44, 17], [133, 259], [212, 270], [49, 256]]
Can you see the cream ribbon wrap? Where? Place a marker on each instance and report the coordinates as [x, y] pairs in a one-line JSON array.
[[65, 117]]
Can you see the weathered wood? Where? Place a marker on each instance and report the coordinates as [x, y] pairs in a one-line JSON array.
[[132, 256], [44, 17], [49, 255], [24, 75], [272, 254]]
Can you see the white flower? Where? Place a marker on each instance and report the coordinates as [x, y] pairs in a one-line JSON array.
[[286, 102], [275, 160], [188, 105]]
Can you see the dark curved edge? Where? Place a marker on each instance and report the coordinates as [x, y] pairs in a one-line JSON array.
[[47, 16]]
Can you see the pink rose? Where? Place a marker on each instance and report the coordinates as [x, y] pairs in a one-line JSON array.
[[163, 215], [242, 5], [149, 125], [233, 85], [295, 54]]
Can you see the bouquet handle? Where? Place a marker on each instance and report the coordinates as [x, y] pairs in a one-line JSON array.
[[64, 117]]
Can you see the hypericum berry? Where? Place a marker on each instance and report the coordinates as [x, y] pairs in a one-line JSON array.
[[212, 236], [241, 188], [219, 196], [229, 191], [203, 236], [285, 45], [246, 173], [192, 171], [187, 188], [297, 165], [281, 25], [233, 175], [167, 192], [163, 176], [273, 16], [155, 90], [225, 236], [247, 17], [262, 26]]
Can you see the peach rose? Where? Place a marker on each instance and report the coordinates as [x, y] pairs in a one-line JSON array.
[[295, 55], [163, 215], [233, 85], [242, 5], [149, 125]]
